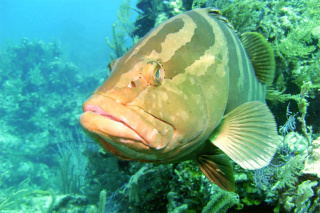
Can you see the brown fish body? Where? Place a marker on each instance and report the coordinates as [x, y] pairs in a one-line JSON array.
[[166, 98]]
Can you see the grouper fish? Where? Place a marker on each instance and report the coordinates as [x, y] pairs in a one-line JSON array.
[[189, 90]]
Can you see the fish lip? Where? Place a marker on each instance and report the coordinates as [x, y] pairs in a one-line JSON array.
[[154, 134], [97, 110]]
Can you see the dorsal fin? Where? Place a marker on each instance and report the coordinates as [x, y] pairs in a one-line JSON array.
[[217, 14], [261, 56], [112, 63]]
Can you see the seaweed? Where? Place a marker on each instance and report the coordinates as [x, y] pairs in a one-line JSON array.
[[221, 202], [117, 45], [122, 30], [289, 173], [102, 201], [301, 200], [133, 186], [5, 202]]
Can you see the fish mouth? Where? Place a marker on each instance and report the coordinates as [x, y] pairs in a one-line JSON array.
[[119, 124]]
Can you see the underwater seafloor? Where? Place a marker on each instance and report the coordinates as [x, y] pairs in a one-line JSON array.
[[49, 165]]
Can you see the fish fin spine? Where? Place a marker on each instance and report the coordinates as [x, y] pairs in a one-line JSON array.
[[218, 169], [261, 56], [248, 135]]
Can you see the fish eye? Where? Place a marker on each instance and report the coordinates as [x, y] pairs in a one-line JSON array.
[[153, 73], [157, 76]]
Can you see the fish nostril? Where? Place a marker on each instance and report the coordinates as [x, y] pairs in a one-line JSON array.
[[132, 85]]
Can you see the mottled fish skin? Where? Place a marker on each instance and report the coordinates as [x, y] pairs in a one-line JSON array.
[[206, 74]]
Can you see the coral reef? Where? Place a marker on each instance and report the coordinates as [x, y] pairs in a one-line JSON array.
[[121, 31], [61, 170], [42, 96], [155, 12], [35, 76], [312, 163], [293, 30]]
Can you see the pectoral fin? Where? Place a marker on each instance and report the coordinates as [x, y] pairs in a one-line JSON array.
[[218, 169], [248, 135]]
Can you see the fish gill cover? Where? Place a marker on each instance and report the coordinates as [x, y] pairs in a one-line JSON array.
[[42, 93]]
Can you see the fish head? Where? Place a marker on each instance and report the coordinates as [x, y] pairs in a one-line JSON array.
[[154, 106]]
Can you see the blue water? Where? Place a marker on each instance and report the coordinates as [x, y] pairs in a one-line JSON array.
[[42, 89], [80, 25]]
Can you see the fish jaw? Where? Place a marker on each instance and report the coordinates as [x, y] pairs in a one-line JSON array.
[[122, 127], [104, 123]]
